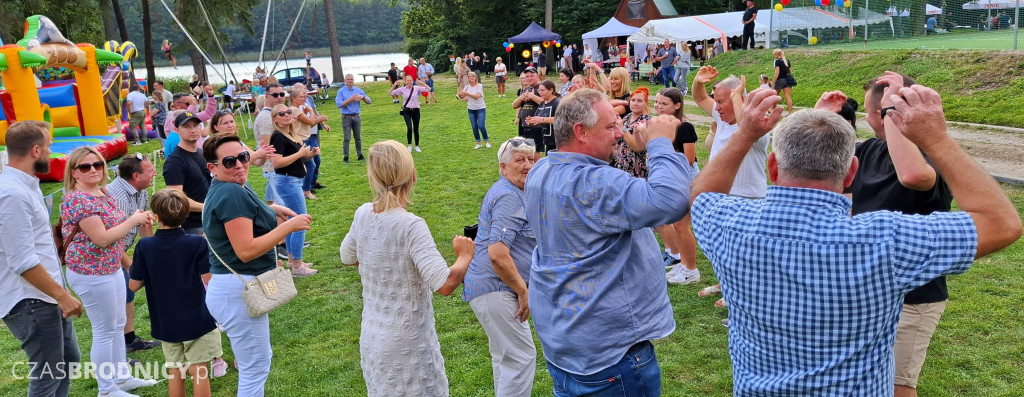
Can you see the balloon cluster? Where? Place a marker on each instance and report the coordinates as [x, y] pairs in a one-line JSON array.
[[50, 73], [508, 46]]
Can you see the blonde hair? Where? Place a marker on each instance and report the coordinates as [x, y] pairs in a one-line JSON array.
[[287, 131], [779, 53], [391, 172], [74, 159], [623, 75], [158, 96]]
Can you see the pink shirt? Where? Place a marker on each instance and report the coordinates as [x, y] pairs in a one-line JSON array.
[[403, 92]]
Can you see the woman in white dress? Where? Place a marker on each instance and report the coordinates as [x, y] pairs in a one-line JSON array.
[[399, 265]]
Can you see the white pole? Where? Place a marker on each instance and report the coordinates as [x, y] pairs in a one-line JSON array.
[[1016, 24], [266, 20]]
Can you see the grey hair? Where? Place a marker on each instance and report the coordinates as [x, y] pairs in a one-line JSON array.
[[510, 151], [577, 107], [347, 75], [814, 144], [730, 83]]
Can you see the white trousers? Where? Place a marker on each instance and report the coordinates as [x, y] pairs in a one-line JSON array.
[[249, 337], [103, 298], [513, 355]]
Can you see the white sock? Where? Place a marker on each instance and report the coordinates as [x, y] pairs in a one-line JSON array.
[[668, 251], [675, 256]]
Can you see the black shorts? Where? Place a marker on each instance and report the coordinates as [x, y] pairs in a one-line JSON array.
[[783, 82]]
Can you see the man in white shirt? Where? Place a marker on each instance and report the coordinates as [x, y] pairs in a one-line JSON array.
[[567, 58], [137, 108], [34, 304], [229, 92]]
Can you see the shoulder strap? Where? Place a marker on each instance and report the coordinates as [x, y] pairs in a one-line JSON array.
[[215, 254], [412, 90]]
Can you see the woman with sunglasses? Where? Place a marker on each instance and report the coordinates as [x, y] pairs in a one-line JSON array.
[[496, 283], [224, 122], [291, 170], [306, 127], [399, 266], [242, 231], [630, 153], [409, 98], [96, 229]]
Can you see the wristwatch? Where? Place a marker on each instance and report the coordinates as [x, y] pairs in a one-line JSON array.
[[886, 110]]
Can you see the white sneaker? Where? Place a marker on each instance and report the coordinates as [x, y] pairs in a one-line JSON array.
[[488, 145], [418, 149], [135, 383], [685, 276], [477, 146], [410, 148], [118, 393], [673, 270]]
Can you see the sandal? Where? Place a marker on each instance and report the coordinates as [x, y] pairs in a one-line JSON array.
[[721, 303], [310, 196], [712, 290]]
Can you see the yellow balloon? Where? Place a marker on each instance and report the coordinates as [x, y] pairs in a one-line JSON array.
[[848, 3], [511, 45], [814, 40], [778, 7]]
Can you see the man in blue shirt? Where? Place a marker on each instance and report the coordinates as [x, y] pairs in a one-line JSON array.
[[425, 72], [348, 99], [598, 292], [815, 294]]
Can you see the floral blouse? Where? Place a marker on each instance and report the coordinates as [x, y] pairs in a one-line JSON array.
[[623, 157], [84, 257]]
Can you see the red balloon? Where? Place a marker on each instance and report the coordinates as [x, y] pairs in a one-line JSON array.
[[508, 49], [785, 2], [824, 2]]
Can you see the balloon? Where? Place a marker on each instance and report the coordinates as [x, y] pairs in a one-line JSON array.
[[785, 2], [824, 2], [558, 44], [817, 2], [839, 3], [778, 7], [848, 4], [526, 53], [511, 45], [814, 40], [505, 44], [508, 49]]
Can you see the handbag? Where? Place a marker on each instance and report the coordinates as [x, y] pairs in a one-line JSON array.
[[411, 92], [268, 291], [62, 243]]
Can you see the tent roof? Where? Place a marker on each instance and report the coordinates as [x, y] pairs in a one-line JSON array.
[[612, 28], [990, 4], [932, 10], [534, 33]]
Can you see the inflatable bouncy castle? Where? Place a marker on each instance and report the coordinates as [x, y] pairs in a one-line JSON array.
[[75, 108]]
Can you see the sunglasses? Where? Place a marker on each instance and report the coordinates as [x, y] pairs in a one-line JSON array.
[[84, 167], [517, 142], [278, 95], [232, 161], [284, 113]]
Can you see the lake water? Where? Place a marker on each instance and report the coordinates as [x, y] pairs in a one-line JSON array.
[[354, 64]]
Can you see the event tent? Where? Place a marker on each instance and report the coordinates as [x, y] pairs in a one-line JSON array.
[[932, 10], [993, 4], [534, 34], [612, 28]]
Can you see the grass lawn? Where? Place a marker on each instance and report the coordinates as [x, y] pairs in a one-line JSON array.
[[970, 39], [977, 349]]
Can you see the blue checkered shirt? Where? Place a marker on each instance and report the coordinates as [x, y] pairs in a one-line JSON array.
[[814, 294]]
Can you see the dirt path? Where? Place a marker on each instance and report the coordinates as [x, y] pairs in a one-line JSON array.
[[1000, 152]]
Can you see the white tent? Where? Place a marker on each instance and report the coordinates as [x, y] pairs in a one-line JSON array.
[[932, 10], [612, 28], [993, 4]]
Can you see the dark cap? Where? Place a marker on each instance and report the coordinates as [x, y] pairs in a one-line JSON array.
[[185, 116], [530, 69]]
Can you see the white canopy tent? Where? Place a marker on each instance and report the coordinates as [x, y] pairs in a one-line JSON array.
[[612, 28], [932, 10], [993, 4]]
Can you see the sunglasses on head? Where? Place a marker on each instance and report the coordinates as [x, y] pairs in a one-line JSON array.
[[284, 113], [517, 142], [232, 161], [86, 167], [278, 95]]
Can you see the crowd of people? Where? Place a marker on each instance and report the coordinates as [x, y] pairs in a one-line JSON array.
[[566, 235]]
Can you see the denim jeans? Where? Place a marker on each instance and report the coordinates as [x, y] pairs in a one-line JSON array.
[[680, 78], [103, 297], [667, 72], [352, 125], [49, 340], [289, 190], [249, 337], [636, 375], [271, 192], [478, 120], [313, 165]]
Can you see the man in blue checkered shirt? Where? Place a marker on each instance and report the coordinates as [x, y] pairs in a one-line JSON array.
[[815, 294]]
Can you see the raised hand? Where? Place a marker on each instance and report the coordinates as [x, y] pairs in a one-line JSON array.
[[705, 74], [759, 112], [919, 115], [831, 101]]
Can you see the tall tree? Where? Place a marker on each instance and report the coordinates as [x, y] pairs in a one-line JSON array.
[[147, 37], [119, 18], [109, 24], [332, 36]]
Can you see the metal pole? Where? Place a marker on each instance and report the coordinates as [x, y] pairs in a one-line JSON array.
[[298, 16], [266, 20], [771, 21], [867, 9], [1016, 24]]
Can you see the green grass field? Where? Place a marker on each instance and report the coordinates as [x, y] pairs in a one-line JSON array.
[[969, 39], [977, 349]]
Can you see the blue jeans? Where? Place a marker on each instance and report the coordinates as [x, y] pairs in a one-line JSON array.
[[667, 73], [289, 190], [477, 119], [313, 165], [680, 79], [271, 192], [48, 340], [637, 374]]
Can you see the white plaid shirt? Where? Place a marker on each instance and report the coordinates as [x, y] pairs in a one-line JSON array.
[[814, 294], [128, 201]]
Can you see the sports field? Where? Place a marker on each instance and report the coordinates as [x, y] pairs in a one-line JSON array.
[[969, 39]]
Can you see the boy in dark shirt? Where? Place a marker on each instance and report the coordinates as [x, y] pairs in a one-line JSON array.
[[174, 266]]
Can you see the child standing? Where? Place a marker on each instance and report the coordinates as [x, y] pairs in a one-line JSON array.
[[765, 82], [173, 266], [158, 112]]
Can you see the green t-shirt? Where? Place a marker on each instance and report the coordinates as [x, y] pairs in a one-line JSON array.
[[225, 202]]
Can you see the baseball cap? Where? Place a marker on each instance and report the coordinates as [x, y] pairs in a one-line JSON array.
[[530, 69], [185, 116]]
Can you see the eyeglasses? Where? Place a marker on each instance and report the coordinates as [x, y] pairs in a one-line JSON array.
[[232, 161], [278, 95], [284, 113], [85, 167]]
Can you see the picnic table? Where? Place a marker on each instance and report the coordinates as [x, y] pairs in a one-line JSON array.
[[376, 76]]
